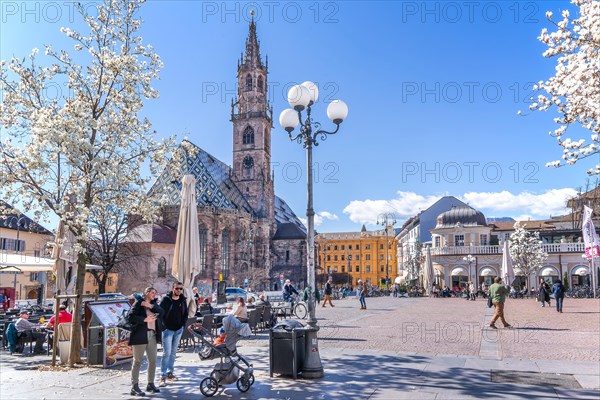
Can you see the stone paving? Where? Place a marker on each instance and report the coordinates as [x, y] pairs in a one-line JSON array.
[[397, 349]]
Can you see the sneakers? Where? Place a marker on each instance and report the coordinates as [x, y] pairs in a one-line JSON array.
[[136, 391], [493, 327], [152, 389], [162, 382], [171, 377]]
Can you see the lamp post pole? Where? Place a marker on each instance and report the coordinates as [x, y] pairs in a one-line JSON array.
[[302, 97], [470, 260], [386, 220]]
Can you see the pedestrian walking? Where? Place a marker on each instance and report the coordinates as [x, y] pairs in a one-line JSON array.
[[559, 294], [175, 307], [361, 290], [544, 293], [328, 291], [395, 293], [498, 294], [145, 334]]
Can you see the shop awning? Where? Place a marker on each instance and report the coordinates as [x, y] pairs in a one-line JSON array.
[[581, 271], [487, 272], [459, 271], [23, 263], [548, 271]]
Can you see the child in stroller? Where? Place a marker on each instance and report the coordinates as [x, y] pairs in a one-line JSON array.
[[232, 367]]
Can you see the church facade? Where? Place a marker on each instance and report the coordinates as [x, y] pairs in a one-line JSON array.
[[249, 237]]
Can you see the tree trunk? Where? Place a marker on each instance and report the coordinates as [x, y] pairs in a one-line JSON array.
[[102, 284], [75, 351]]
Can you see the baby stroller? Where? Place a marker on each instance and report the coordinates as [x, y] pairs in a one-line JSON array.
[[232, 367]]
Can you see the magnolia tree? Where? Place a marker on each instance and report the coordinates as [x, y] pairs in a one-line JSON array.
[[575, 88], [78, 155], [526, 251]]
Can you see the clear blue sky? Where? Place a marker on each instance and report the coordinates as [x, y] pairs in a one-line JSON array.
[[433, 90]]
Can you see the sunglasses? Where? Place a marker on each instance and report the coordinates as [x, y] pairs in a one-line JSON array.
[[178, 288]]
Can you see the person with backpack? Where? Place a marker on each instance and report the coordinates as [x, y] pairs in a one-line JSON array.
[[145, 335], [559, 294], [328, 292]]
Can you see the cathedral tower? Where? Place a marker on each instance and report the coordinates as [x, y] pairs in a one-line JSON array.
[[252, 119]]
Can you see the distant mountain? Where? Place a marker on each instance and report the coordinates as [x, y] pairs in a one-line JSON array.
[[500, 219]]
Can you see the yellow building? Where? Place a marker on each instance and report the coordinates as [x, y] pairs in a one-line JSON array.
[[350, 256]]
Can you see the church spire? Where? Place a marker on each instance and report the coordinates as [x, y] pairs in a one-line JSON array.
[[252, 55]]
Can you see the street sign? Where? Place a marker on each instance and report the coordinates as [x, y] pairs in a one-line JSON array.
[[245, 282]]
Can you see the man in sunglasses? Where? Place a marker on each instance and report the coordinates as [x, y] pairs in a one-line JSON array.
[[175, 317]]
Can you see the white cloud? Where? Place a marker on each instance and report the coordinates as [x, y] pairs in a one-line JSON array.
[[552, 202], [404, 206], [521, 206], [320, 217]]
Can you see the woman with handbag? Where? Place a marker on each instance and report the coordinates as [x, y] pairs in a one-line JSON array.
[[145, 317]]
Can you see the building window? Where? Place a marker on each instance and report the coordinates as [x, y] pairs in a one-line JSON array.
[[335, 247], [343, 269], [381, 246], [349, 247], [343, 257], [33, 276], [225, 251], [110, 281], [343, 247], [349, 257], [357, 268], [368, 269], [367, 257], [248, 83], [335, 258], [248, 136], [367, 247], [357, 247], [260, 84], [483, 240], [203, 236], [328, 258], [12, 245], [437, 241], [459, 240], [328, 247], [162, 268], [381, 256], [381, 268], [287, 255]]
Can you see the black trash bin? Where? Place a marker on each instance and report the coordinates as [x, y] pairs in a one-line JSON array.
[[286, 348]]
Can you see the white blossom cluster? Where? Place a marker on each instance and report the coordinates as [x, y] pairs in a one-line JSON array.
[[80, 153], [526, 250], [575, 88]]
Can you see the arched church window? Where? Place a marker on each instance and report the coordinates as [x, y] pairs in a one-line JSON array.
[[225, 252], [162, 268], [248, 136], [248, 165], [203, 236], [260, 84], [248, 82]]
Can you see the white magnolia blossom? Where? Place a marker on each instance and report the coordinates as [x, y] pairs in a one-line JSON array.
[[526, 250], [575, 88], [90, 145]]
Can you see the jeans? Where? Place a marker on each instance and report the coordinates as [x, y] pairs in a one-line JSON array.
[[138, 355], [363, 303], [170, 342], [559, 303]]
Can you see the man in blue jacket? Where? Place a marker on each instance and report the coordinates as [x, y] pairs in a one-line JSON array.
[[176, 312]]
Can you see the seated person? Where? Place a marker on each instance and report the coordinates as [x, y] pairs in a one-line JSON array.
[[31, 330], [251, 301], [221, 338], [206, 306], [63, 316], [240, 311], [263, 301]]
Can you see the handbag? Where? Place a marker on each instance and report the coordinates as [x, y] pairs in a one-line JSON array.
[[489, 300], [123, 321]]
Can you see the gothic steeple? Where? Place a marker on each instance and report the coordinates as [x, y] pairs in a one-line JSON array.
[[252, 56]]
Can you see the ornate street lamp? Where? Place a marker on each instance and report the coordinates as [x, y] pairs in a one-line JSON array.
[[386, 220], [470, 260], [302, 97]]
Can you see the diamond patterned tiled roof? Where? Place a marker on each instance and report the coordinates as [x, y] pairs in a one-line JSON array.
[[214, 186]]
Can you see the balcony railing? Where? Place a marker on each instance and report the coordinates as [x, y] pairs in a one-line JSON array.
[[547, 247]]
